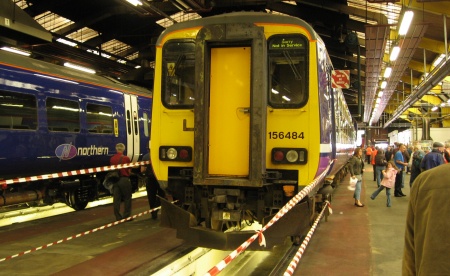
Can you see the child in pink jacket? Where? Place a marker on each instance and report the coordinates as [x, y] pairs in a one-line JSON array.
[[388, 181]]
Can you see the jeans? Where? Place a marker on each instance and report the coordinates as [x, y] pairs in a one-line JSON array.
[[357, 194], [388, 194], [379, 174]]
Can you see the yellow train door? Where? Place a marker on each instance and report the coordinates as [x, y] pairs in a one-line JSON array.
[[229, 112]]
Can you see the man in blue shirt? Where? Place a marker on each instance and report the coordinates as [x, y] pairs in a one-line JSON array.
[[434, 158], [400, 163]]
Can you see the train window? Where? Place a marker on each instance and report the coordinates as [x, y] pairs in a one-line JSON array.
[[99, 118], [288, 71], [128, 122], [62, 115], [17, 111], [178, 74], [146, 121]]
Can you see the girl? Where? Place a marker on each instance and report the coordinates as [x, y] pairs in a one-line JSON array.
[[388, 181]]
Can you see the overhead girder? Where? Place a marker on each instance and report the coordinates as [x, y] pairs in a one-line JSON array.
[[438, 7]]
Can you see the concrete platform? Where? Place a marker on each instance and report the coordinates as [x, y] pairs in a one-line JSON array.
[[359, 241]]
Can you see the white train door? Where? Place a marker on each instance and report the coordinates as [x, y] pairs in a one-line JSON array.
[[132, 127]]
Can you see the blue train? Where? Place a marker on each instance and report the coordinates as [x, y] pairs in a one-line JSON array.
[[56, 119]]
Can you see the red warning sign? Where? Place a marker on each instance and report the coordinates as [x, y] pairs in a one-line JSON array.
[[340, 78]]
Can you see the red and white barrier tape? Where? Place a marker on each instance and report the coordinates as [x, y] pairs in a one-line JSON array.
[[79, 235], [293, 265], [305, 191], [72, 173]]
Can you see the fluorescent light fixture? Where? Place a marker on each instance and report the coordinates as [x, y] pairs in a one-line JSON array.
[[387, 72], [376, 105], [378, 100], [80, 68], [16, 51], [438, 60], [383, 84], [135, 2], [54, 78], [394, 53], [434, 108], [275, 91], [380, 94], [406, 22], [448, 100], [121, 61], [137, 66], [67, 42], [286, 98]]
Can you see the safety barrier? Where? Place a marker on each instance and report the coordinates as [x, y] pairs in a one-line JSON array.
[[293, 264], [72, 173]]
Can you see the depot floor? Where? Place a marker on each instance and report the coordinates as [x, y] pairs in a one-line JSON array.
[[359, 241]]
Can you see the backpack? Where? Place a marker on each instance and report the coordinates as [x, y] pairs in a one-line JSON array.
[[112, 178]]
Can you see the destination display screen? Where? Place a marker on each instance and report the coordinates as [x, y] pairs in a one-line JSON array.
[[286, 42]]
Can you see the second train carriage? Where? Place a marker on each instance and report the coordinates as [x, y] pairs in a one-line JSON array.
[[56, 119], [244, 116]]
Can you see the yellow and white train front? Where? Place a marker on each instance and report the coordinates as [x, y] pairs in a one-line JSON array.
[[236, 125]]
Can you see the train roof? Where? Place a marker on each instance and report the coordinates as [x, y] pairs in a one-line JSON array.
[[240, 17], [34, 65]]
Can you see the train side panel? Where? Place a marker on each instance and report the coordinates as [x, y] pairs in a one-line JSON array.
[[54, 120]]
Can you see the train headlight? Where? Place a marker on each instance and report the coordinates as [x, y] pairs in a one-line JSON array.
[[292, 156], [172, 153], [289, 156], [175, 153]]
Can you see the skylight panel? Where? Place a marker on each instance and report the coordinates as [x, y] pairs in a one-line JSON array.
[[115, 47], [83, 34], [179, 17], [22, 4], [52, 22]]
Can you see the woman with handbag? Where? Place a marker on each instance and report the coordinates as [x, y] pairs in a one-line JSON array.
[[356, 167], [388, 182]]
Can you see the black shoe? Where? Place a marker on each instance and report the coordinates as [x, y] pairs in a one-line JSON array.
[[397, 195], [402, 195]]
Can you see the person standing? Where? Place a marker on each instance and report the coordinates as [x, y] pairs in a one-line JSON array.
[[389, 154], [447, 152], [434, 158], [152, 186], [417, 156], [388, 182], [372, 161], [400, 163], [122, 189], [356, 167], [380, 165], [427, 249], [368, 154]]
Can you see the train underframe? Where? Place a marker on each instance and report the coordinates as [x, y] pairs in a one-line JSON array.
[[220, 217], [76, 192]]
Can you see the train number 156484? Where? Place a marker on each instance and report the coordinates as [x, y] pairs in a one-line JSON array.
[[286, 135]]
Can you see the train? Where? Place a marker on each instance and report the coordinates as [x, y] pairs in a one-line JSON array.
[[56, 119], [244, 117]]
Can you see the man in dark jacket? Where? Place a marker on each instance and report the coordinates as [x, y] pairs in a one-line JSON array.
[[434, 158], [152, 186]]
